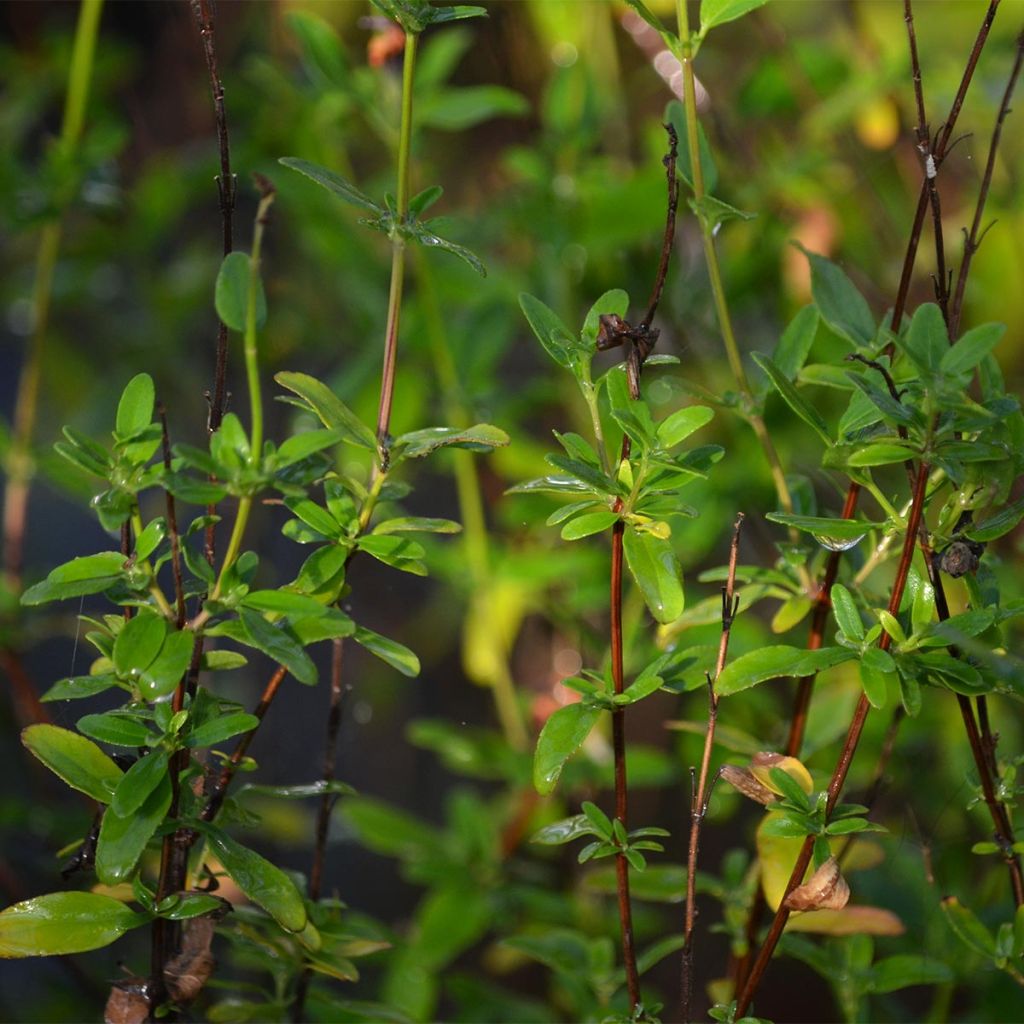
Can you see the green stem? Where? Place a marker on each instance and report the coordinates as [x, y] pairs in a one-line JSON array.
[[19, 463], [387, 381], [590, 397], [252, 369], [154, 588], [718, 288]]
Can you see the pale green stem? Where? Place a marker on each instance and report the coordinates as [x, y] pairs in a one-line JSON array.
[[19, 462], [387, 380], [471, 503], [718, 288], [590, 397]]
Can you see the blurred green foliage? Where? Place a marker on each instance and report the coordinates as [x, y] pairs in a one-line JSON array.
[[542, 122]]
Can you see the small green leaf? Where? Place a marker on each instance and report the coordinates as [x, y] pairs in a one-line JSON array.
[[91, 574], [564, 831], [231, 295], [278, 645], [841, 306], [116, 730], [678, 426], [417, 524], [713, 213], [718, 12], [138, 782], [656, 570], [881, 454], [164, 673], [563, 734], [999, 524], [260, 880], [123, 839], [395, 654], [845, 610], [669, 38], [968, 928], [334, 183], [971, 349], [135, 409], [896, 972], [423, 234], [643, 686], [481, 437], [927, 338], [331, 410], [794, 399], [827, 531], [776, 662], [149, 540], [588, 524], [77, 687], [557, 339], [792, 350], [78, 761], [64, 922], [138, 643]]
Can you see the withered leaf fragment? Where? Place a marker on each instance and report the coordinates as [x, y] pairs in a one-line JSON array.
[[743, 780], [826, 889], [128, 1002], [187, 973]]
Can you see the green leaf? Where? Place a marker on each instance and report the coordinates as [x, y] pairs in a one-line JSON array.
[[78, 761], [135, 409], [138, 782], [644, 685], [423, 234], [845, 610], [678, 426], [841, 306], [718, 12], [163, 674], [77, 687], [834, 534], [395, 654], [655, 568], [896, 972], [334, 183], [302, 446], [231, 295], [968, 928], [278, 645], [138, 643], [422, 201], [481, 437], [713, 213], [776, 662], [417, 524], [557, 339], [88, 575], [562, 735], [669, 38], [260, 880], [588, 524], [927, 339], [149, 540], [456, 109], [331, 410], [881, 454], [971, 349], [396, 551], [998, 525], [794, 399], [877, 671], [123, 839], [116, 730], [64, 922], [564, 831], [795, 344], [298, 792]]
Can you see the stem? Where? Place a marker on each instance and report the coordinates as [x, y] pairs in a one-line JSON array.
[[387, 382], [973, 239], [619, 754], [698, 807], [20, 468], [172, 522], [718, 288], [846, 757]]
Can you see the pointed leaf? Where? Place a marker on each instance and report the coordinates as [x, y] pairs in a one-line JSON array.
[[556, 338], [278, 645], [563, 734], [655, 568], [334, 183], [794, 399], [841, 306], [395, 654], [123, 839], [231, 295], [776, 662], [77, 760], [64, 922], [718, 12], [333, 412]]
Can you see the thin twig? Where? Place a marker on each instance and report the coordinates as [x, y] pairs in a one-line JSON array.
[[974, 236], [668, 240], [846, 756], [698, 807]]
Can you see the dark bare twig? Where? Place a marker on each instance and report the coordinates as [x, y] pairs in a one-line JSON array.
[[846, 756], [698, 806], [973, 240], [670, 227]]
